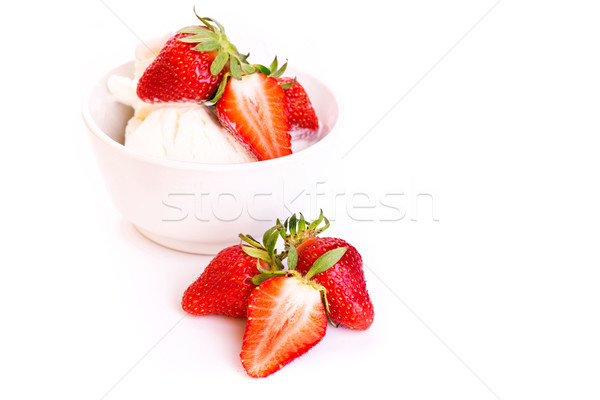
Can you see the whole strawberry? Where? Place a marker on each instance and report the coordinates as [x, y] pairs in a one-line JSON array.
[[191, 65], [347, 295], [226, 283], [224, 286], [302, 116], [349, 302]]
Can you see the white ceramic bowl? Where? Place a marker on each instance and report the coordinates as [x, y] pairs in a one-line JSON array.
[[201, 208]]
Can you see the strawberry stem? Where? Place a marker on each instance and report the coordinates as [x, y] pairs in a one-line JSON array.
[[211, 37], [264, 252], [295, 231]]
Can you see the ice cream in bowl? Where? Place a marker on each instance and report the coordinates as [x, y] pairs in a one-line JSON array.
[[196, 143]]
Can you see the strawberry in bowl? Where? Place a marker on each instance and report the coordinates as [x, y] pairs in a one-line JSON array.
[[199, 73], [191, 168]]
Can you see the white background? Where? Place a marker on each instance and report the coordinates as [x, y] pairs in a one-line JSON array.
[[492, 293]]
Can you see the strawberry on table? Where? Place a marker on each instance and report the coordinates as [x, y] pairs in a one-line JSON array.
[[191, 65], [286, 317], [287, 309], [349, 302], [226, 283], [303, 119], [254, 109], [347, 295], [224, 286]]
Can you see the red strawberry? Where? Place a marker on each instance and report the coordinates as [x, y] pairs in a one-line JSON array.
[[253, 109], [286, 317], [349, 302], [226, 283], [179, 74], [301, 113], [224, 286], [191, 65]]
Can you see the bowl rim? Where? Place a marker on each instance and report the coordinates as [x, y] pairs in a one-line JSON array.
[[198, 166]]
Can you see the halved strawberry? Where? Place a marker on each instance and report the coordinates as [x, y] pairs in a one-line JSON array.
[[253, 108], [286, 317], [303, 119]]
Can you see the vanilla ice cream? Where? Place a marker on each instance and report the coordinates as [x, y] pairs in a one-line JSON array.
[[185, 133], [182, 131]]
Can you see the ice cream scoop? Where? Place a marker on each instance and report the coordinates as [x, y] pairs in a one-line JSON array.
[[185, 133]]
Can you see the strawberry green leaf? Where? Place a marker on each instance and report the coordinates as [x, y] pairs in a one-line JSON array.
[[273, 66], [301, 223], [219, 93], [194, 29], [270, 239], [262, 69], [249, 239], [221, 28], [248, 69], [209, 46], [254, 252], [234, 67], [267, 235], [325, 226], [317, 221], [293, 221], [204, 20], [280, 228], [219, 63], [260, 278], [201, 37], [326, 261], [292, 257], [277, 74], [260, 268]]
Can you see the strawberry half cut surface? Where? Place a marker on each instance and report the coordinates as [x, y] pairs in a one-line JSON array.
[[286, 317], [253, 108]]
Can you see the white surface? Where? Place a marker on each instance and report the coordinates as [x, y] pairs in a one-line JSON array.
[[502, 133]]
